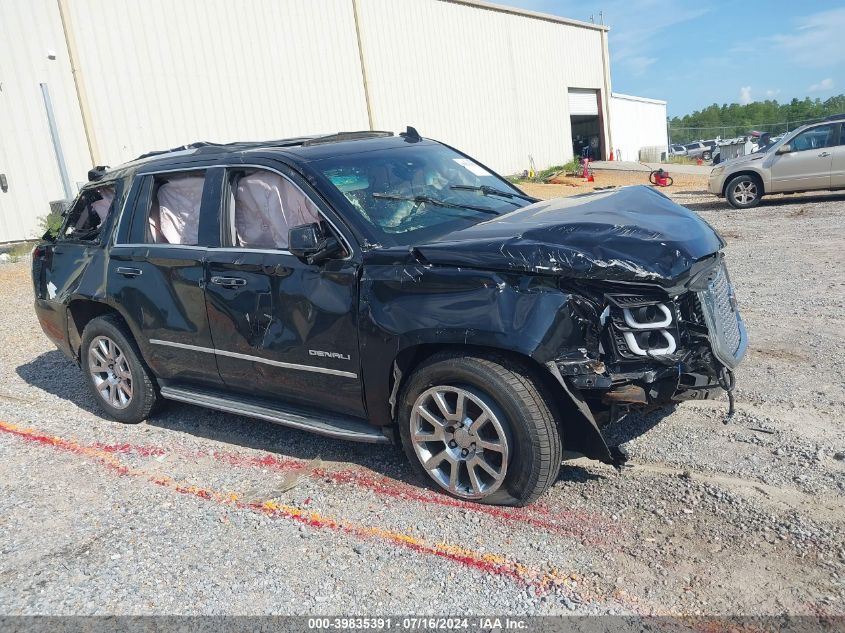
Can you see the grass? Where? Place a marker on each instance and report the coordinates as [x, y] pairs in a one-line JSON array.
[[50, 223], [20, 250], [550, 172], [682, 160], [572, 166]]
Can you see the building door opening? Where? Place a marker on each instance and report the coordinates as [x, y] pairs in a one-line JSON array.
[[586, 121]]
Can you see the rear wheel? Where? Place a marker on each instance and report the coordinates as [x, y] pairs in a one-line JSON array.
[[744, 192], [122, 384], [480, 428]]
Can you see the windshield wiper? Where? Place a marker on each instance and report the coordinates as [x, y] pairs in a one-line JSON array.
[[435, 202], [487, 190]]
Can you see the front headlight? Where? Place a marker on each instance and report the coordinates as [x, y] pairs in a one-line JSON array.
[[643, 326], [717, 170]]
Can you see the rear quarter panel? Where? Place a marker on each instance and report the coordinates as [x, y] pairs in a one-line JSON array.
[[67, 271]]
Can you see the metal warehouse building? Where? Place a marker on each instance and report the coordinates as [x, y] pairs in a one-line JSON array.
[[638, 127], [98, 82]]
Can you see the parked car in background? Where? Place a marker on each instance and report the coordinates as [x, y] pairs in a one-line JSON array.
[[810, 158], [388, 289], [698, 150], [677, 150]]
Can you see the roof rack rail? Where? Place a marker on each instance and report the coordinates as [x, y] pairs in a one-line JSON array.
[[181, 148], [346, 136]]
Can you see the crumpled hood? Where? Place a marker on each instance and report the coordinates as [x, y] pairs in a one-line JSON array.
[[631, 234]]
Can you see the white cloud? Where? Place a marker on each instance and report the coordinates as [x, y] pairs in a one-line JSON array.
[[822, 86], [636, 26], [745, 95], [817, 42], [772, 92], [639, 65]]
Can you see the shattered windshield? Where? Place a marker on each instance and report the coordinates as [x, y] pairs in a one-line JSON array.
[[408, 194]]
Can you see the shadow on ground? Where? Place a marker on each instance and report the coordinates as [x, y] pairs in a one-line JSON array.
[[720, 204], [55, 374], [634, 424]]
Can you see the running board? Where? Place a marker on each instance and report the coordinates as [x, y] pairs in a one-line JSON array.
[[330, 424]]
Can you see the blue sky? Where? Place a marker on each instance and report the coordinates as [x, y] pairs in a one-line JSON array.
[[693, 54]]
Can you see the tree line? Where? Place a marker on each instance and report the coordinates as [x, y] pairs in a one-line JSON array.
[[731, 120]]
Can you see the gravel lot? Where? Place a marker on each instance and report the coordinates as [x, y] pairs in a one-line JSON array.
[[202, 512]]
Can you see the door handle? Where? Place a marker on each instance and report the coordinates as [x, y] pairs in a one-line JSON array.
[[228, 282], [129, 272], [824, 154], [4, 183]]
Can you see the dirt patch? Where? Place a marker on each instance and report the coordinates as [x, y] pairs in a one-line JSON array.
[[713, 518], [786, 355], [569, 185]]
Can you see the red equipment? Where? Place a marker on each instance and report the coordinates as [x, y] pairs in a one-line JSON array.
[[660, 178]]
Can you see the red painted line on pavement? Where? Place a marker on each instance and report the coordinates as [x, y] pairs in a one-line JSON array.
[[540, 581], [590, 528]]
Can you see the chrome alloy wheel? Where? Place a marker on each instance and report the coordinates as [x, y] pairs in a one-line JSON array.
[[110, 370], [745, 192], [460, 441]]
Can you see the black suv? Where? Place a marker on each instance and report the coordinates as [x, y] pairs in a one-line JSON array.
[[385, 288]]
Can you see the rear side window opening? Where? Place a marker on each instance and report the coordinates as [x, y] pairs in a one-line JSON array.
[[174, 212], [263, 207], [88, 215]]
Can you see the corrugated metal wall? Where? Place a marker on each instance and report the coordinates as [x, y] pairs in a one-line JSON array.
[[154, 74], [637, 123], [161, 73], [29, 31], [493, 84]]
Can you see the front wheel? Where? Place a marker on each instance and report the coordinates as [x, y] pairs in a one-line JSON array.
[[744, 192], [480, 428]]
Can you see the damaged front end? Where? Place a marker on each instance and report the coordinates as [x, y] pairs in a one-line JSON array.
[[653, 346], [649, 299]]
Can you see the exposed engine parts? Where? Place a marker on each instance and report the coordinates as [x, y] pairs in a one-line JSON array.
[[659, 345]]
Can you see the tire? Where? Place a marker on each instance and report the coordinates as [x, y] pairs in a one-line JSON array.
[[518, 437], [120, 381], [744, 192]]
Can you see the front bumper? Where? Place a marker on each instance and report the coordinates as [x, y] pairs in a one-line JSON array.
[[683, 351], [716, 182]]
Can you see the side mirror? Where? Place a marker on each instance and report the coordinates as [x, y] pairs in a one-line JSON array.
[[308, 243], [784, 149]]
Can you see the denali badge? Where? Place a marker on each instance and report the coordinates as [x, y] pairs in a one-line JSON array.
[[316, 352]]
